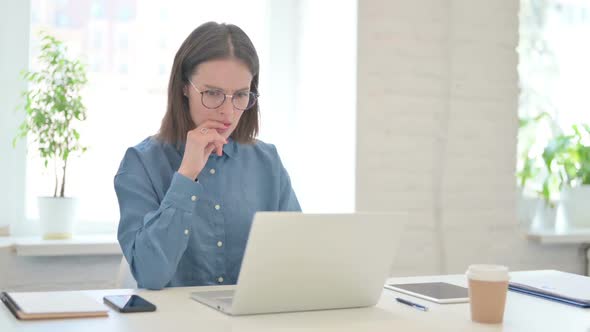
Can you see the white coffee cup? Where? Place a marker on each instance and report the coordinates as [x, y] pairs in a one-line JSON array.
[[488, 285]]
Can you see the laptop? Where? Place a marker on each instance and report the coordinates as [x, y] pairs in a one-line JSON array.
[[300, 262]]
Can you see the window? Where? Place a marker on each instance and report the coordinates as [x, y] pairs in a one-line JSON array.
[[308, 91], [553, 72]]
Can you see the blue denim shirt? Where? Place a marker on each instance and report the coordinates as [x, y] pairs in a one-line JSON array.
[[177, 232]]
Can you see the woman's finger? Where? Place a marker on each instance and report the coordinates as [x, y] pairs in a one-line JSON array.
[[213, 136], [210, 124], [209, 148], [219, 147]]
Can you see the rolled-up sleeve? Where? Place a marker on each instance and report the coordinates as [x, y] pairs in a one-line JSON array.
[[153, 235]]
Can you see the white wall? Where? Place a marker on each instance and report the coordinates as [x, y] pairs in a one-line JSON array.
[[57, 273], [436, 133]]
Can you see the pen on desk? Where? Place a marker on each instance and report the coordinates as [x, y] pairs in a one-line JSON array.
[[411, 304]]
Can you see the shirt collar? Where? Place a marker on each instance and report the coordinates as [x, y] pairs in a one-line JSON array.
[[231, 149]]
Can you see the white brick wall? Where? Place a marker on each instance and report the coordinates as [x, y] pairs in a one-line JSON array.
[[436, 133], [30, 273]]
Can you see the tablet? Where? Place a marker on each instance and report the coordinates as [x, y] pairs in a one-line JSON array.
[[439, 292]]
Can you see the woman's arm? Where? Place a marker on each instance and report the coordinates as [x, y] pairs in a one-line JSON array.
[[153, 235]]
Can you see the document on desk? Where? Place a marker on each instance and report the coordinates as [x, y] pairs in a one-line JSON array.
[[46, 305], [554, 285]]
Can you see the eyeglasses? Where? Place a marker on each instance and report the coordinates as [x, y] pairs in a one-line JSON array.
[[213, 98]]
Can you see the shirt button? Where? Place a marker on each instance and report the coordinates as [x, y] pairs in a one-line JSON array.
[[220, 279], [186, 232], [212, 171], [193, 198], [217, 206], [219, 244]]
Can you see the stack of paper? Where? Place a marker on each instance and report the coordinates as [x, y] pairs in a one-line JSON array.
[[45, 305], [554, 285]]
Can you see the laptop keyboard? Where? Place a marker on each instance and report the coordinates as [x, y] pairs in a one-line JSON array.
[[221, 294], [225, 300]]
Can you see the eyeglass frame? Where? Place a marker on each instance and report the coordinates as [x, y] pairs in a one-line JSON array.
[[225, 95]]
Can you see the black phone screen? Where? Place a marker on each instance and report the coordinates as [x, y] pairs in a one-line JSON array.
[[129, 303], [437, 290]]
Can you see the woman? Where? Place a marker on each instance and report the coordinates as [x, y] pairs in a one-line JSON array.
[[187, 195]]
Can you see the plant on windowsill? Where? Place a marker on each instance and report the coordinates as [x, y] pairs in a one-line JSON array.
[[567, 157], [533, 207], [53, 105]]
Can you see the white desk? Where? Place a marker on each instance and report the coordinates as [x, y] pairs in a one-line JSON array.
[[177, 312]]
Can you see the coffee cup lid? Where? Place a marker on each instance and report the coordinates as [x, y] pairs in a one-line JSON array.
[[487, 272]]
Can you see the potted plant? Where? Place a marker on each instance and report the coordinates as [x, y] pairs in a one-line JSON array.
[[534, 205], [53, 104], [568, 159]]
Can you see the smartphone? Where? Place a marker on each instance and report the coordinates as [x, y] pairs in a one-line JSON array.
[[129, 303]]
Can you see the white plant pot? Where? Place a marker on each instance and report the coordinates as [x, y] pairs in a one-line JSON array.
[[57, 216], [575, 206], [545, 216], [527, 208]]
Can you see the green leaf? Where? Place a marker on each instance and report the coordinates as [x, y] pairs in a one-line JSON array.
[[554, 148], [523, 122], [546, 193], [542, 116]]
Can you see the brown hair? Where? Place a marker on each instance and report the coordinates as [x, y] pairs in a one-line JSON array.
[[209, 41]]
